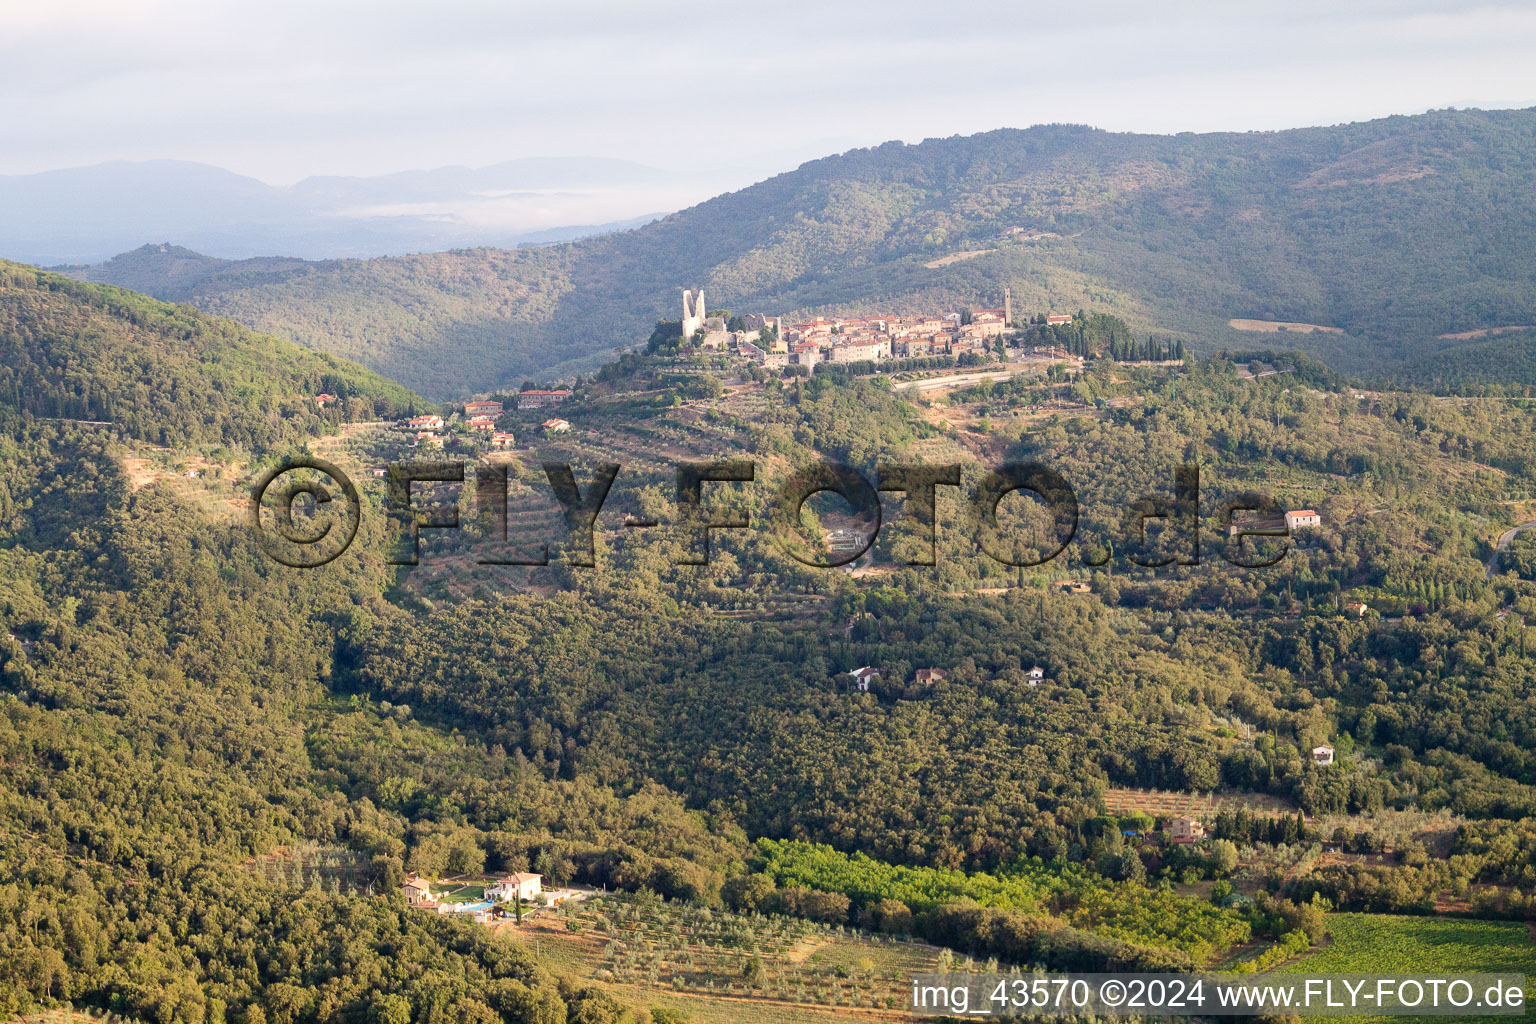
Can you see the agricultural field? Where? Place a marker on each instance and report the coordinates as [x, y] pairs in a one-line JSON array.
[[1129, 912], [1272, 326], [1161, 803], [200, 480], [1385, 944], [719, 966]]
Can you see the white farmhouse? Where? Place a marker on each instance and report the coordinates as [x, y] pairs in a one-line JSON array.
[[862, 677], [524, 886], [1302, 519]]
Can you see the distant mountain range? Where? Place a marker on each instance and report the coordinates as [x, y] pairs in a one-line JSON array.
[[1388, 234], [85, 214]]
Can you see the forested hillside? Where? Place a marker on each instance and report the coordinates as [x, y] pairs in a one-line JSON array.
[[165, 720], [176, 712], [631, 688], [215, 771], [1395, 231], [166, 374]]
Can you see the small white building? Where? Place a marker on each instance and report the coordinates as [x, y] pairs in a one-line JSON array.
[[1302, 519], [862, 677], [1035, 676], [523, 885], [556, 426], [1322, 754]]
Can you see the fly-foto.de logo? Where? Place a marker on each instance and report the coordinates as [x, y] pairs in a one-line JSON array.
[[306, 512]]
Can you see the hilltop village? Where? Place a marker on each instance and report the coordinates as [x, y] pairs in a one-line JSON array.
[[758, 345], [967, 336], [976, 376]]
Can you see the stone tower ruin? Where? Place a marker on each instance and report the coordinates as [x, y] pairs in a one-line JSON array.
[[693, 312]]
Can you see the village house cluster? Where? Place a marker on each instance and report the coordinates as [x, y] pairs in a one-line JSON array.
[[479, 420], [860, 678], [870, 337]]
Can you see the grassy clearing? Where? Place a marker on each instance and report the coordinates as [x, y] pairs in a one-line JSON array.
[[470, 893], [1271, 326], [956, 257]]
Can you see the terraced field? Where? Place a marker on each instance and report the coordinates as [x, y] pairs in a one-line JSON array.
[[1162, 803]]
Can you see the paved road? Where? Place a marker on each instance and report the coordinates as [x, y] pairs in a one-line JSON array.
[[1504, 541]]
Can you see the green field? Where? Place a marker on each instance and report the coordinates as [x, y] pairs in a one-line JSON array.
[[472, 893], [1128, 912], [1384, 944]]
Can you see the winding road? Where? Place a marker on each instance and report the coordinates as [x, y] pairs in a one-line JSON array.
[[1504, 541]]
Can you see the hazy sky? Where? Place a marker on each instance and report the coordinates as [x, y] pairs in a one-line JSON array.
[[286, 88]]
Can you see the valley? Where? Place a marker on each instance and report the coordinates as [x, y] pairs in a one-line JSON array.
[[759, 783]]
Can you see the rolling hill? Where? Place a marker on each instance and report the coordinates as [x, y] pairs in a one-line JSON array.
[[165, 374], [1395, 231]]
